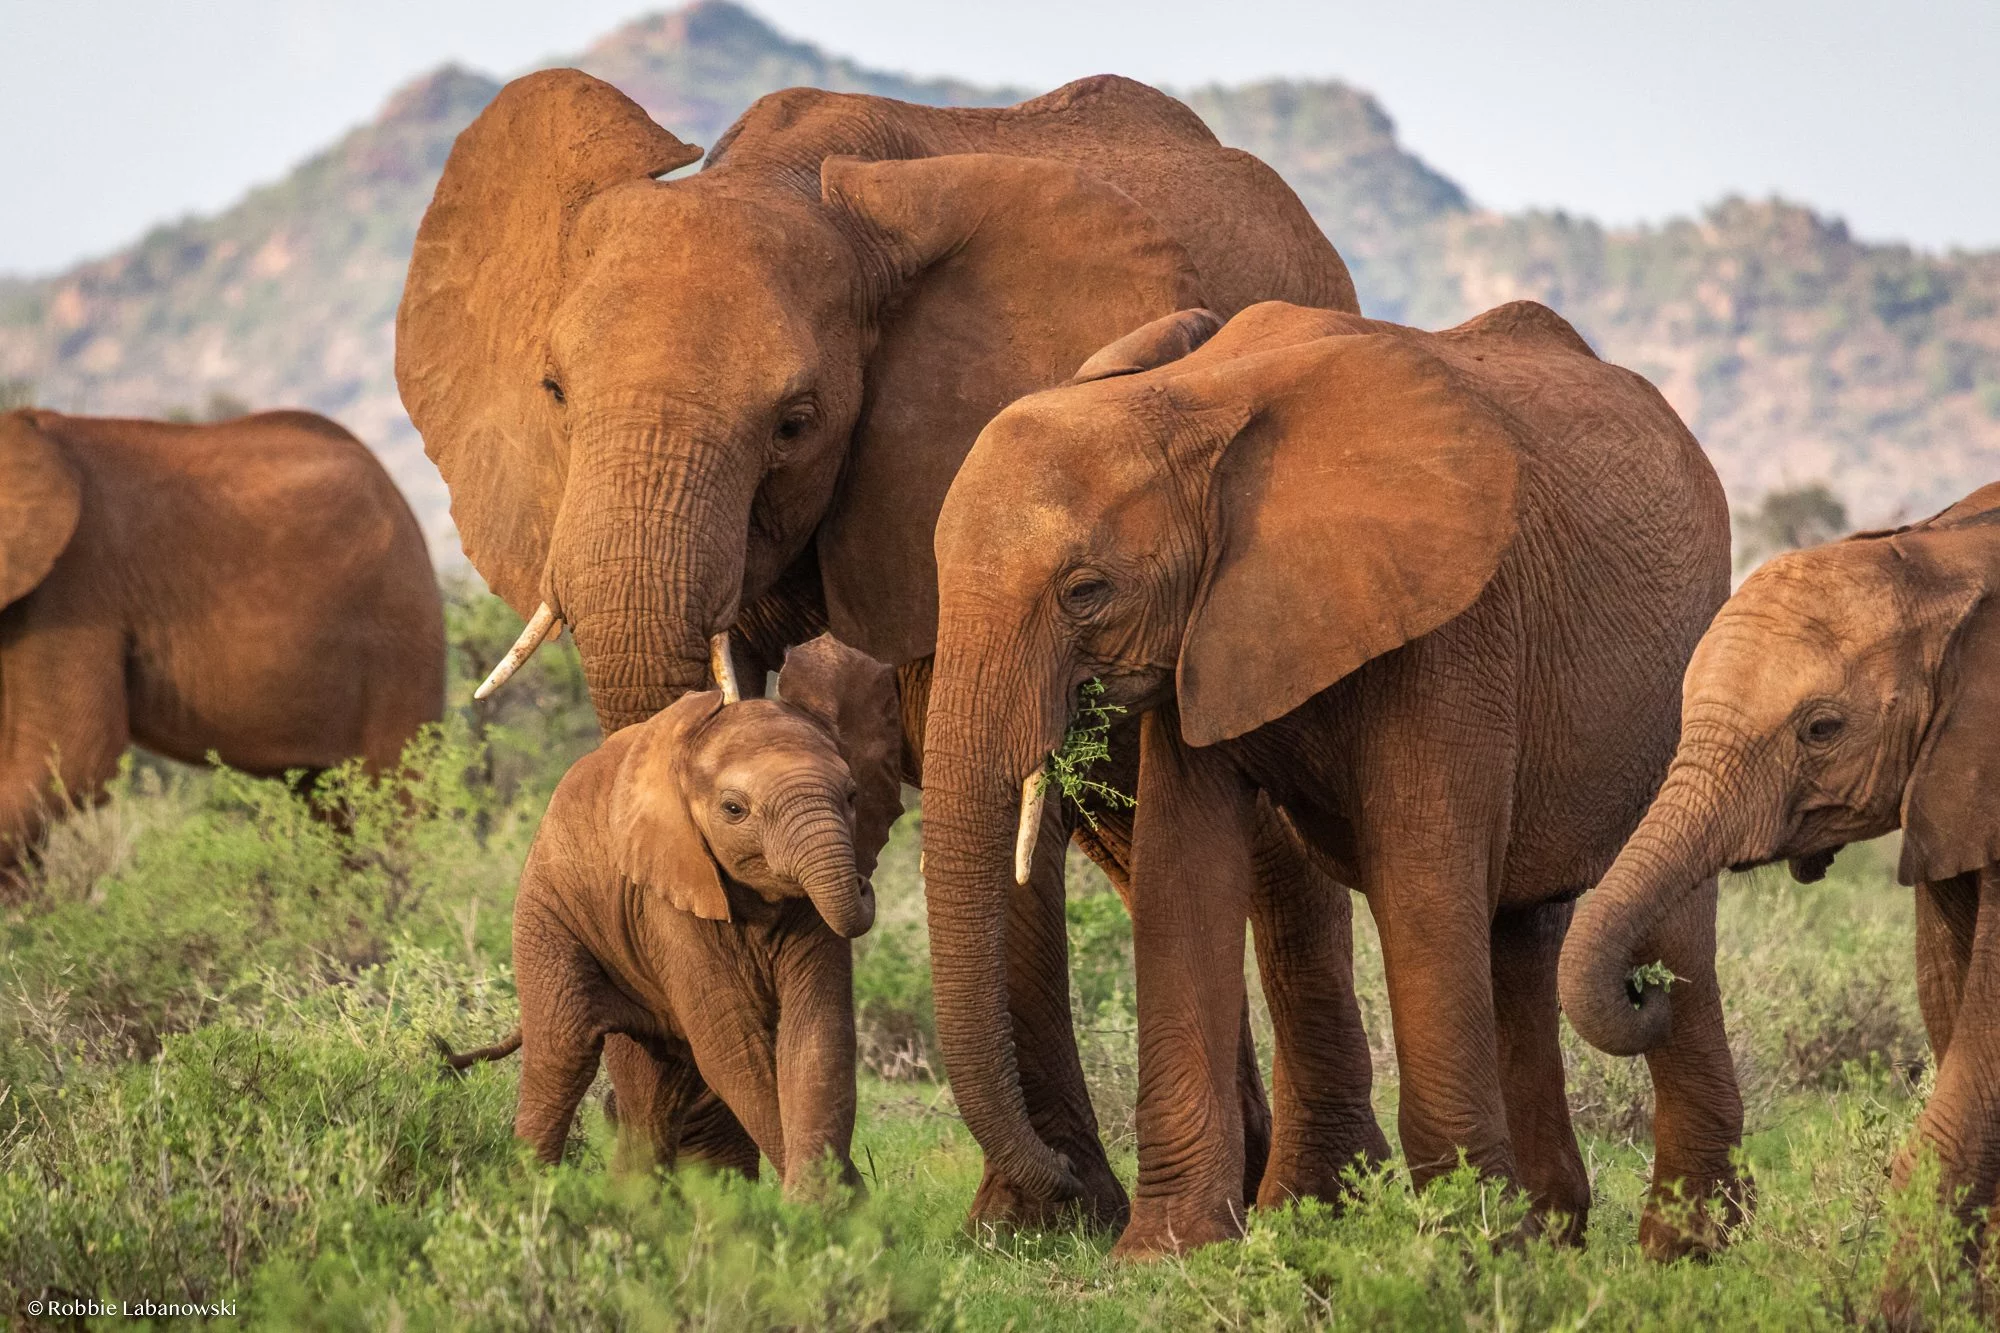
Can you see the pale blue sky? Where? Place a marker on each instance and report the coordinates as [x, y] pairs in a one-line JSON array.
[[121, 113]]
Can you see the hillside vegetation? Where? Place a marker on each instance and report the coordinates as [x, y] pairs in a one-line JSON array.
[[1796, 352]]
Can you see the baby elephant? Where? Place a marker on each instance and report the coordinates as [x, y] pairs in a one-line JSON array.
[[686, 907], [1844, 691]]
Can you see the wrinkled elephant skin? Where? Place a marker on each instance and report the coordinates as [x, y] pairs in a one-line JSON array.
[[1431, 594]]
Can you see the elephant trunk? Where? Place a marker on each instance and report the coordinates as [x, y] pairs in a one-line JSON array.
[[818, 854], [645, 566], [976, 755], [1695, 826]]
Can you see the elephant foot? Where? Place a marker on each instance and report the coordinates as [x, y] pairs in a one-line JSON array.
[[1001, 1206], [1686, 1218], [1176, 1225], [1311, 1162]]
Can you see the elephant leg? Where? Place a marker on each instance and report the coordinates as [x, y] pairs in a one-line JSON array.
[[1961, 1123], [557, 1067], [1436, 948], [65, 731], [1109, 844], [816, 1094], [654, 1088], [1050, 1068], [1947, 913], [1526, 945], [1697, 1109], [563, 1025], [1322, 1077], [1192, 871], [712, 1135]]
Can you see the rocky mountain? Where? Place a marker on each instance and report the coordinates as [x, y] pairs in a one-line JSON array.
[[1796, 352]]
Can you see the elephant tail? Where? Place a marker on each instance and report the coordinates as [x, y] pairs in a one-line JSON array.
[[455, 1064]]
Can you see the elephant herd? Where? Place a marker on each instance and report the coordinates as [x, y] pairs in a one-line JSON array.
[[955, 418]]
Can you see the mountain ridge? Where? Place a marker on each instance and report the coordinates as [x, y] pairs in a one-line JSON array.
[[1796, 352]]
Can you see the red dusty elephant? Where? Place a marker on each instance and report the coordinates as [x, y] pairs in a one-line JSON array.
[[1432, 593], [257, 589]]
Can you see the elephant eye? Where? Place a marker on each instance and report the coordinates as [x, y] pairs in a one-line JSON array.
[[1084, 594], [733, 809], [1824, 728], [794, 424], [555, 390]]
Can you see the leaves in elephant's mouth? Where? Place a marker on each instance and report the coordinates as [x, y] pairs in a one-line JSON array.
[[1085, 743], [1655, 973]]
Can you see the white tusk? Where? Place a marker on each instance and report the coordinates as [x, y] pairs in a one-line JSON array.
[[1034, 794], [524, 647], [723, 669]]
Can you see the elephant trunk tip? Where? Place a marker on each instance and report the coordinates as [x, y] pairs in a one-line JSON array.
[[1618, 1010], [857, 917]]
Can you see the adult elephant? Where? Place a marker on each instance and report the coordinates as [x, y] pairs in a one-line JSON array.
[[1844, 691], [256, 589], [1432, 594], [665, 408]]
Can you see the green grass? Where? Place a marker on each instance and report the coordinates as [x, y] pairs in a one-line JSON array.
[[216, 1082]]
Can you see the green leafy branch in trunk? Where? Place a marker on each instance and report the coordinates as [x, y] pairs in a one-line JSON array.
[[1085, 743], [1655, 973]]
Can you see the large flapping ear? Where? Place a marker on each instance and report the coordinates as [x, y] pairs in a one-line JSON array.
[[1951, 804], [484, 283], [658, 843], [1368, 499], [854, 697], [41, 501], [1166, 339], [1000, 276]]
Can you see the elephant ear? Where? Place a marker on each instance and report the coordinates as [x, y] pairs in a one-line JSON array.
[[1367, 499], [998, 277], [1166, 339], [483, 286], [658, 844], [1951, 816], [41, 501], [854, 696]]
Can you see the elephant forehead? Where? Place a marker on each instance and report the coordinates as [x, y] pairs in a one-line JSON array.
[[1798, 630], [758, 744], [700, 278], [1839, 598], [1045, 473]]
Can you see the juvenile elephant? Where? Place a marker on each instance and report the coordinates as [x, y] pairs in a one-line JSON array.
[[666, 408], [686, 910], [1431, 593], [256, 588], [1844, 691]]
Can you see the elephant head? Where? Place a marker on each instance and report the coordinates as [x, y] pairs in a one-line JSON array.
[[789, 799], [1230, 520], [1844, 691], [41, 502], [651, 397]]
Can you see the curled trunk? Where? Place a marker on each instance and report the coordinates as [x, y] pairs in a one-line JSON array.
[[1692, 830], [819, 854]]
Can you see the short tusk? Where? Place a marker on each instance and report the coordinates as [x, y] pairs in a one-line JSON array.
[[1034, 794], [723, 668], [538, 632]]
